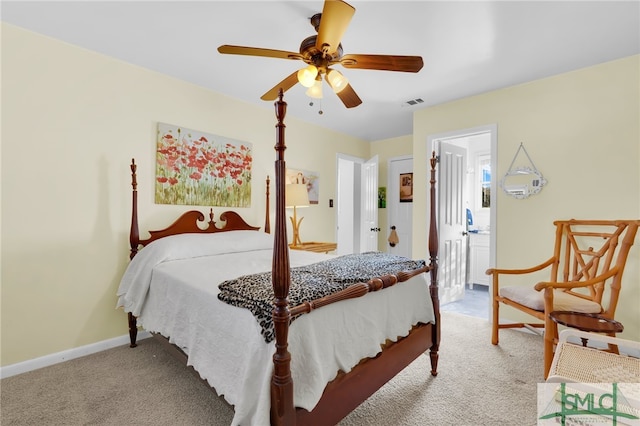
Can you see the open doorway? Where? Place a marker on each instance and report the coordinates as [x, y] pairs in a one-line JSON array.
[[357, 204], [466, 193]]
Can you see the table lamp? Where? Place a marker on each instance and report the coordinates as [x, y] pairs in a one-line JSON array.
[[296, 195]]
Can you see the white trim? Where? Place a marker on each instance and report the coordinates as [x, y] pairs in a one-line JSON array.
[[342, 209], [348, 157], [56, 358], [433, 145]]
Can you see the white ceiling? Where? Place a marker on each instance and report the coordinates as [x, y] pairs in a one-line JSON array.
[[468, 47]]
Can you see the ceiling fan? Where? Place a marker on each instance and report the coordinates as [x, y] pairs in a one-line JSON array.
[[324, 50]]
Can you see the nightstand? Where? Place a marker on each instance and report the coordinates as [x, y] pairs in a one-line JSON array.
[[315, 246]]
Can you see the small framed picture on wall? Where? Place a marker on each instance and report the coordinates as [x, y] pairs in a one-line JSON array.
[[406, 187]]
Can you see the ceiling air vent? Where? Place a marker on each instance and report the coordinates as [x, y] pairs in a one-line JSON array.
[[413, 102]]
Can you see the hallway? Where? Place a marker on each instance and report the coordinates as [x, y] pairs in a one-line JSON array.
[[475, 303]]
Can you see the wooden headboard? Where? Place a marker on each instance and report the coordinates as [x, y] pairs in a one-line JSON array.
[[188, 222]]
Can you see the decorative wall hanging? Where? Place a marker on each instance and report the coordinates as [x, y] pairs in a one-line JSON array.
[[523, 181], [311, 179], [197, 168], [406, 187], [382, 197]]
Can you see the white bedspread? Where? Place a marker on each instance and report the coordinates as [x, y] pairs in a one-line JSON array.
[[172, 285]]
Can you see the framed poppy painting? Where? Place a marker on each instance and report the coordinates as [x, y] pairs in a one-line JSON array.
[[197, 168]]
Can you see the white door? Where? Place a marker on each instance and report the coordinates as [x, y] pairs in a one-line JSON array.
[[369, 206], [357, 209], [452, 222], [345, 217], [400, 214]]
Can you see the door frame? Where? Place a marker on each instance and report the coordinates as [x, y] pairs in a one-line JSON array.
[[434, 146], [356, 218]]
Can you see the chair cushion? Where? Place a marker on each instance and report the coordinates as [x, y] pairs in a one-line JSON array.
[[562, 301]]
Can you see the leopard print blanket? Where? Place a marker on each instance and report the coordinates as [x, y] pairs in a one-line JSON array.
[[255, 292]]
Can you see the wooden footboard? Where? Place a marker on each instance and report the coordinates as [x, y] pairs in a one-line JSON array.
[[349, 390], [356, 290]]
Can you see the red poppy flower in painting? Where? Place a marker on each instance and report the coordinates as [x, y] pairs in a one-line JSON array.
[[195, 168]]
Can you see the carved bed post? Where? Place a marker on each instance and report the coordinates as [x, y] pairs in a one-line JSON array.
[[267, 220], [282, 409], [433, 264], [134, 242], [134, 233]]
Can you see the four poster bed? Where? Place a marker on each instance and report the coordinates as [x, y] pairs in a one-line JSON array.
[[279, 358]]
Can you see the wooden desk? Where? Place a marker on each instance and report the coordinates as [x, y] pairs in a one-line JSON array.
[[315, 246], [593, 323]]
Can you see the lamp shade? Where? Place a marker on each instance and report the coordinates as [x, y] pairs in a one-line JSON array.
[[296, 195], [336, 80], [315, 91], [307, 76]]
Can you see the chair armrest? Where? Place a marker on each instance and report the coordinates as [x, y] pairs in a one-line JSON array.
[[493, 271], [577, 284]]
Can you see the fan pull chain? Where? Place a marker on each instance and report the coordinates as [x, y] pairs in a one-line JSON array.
[[320, 112]]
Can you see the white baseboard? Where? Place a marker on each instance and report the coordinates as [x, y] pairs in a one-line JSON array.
[[47, 360]]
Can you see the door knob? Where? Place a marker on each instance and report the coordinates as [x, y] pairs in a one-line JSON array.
[[465, 233]]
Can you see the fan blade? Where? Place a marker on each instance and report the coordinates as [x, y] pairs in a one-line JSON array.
[[336, 16], [349, 97], [285, 85], [383, 62], [257, 51]]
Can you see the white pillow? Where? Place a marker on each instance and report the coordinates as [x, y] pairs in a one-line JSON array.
[[185, 246], [137, 277]]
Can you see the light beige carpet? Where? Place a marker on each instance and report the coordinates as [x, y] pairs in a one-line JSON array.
[[477, 384]]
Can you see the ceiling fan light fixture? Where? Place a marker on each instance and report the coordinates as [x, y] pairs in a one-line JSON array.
[[307, 76], [324, 49], [315, 91], [336, 80]]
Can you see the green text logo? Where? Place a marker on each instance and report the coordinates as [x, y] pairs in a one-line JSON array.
[[581, 403]]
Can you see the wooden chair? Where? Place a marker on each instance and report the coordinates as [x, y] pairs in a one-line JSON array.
[[589, 257]]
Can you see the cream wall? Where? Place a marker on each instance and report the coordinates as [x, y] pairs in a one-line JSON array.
[[385, 150], [582, 131], [71, 122]]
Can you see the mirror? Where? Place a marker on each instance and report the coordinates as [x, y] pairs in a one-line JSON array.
[[522, 182]]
